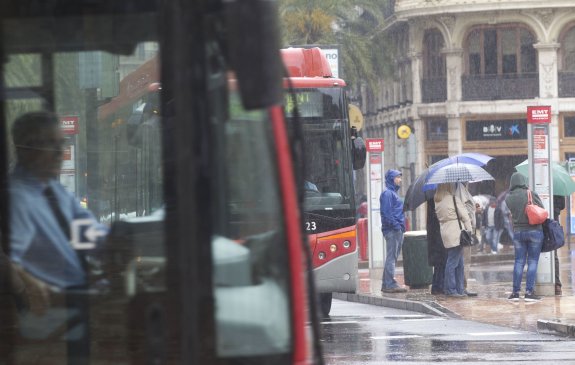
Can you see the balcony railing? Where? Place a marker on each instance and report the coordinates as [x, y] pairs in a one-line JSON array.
[[500, 87], [566, 84], [434, 90]]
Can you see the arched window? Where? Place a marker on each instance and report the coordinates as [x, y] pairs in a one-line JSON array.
[[433, 59], [433, 83], [568, 51], [498, 50]]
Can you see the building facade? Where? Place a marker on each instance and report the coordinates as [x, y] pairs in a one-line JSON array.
[[465, 72]]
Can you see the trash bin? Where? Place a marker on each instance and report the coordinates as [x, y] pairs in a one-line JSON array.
[[416, 271]]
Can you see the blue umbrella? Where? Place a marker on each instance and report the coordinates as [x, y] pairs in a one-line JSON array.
[[418, 192]]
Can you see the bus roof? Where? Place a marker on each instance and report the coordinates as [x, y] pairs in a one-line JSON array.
[[308, 67], [306, 62], [299, 82]]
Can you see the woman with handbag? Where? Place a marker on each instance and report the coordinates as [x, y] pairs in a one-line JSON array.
[[527, 235], [453, 218]]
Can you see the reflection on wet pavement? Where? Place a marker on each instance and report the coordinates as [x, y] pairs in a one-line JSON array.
[[375, 336], [491, 305]]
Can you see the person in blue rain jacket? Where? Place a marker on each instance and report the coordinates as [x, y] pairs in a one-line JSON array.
[[392, 227]]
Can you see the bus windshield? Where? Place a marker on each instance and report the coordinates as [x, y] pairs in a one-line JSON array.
[[323, 115]]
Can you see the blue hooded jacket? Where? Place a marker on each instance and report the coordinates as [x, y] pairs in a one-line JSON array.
[[391, 205]]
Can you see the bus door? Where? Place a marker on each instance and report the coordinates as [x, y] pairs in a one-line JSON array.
[[146, 215]]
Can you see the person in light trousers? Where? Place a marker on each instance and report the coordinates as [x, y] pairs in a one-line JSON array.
[[452, 214]]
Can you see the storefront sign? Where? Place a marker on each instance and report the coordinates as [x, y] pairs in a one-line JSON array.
[[496, 130], [539, 114], [69, 125]]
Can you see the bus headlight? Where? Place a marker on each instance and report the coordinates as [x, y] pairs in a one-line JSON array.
[[321, 255], [333, 247], [346, 244]]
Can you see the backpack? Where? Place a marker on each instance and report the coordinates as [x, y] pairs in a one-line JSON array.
[[553, 236]]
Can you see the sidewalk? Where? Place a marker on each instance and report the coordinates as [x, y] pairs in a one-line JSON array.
[[491, 277]]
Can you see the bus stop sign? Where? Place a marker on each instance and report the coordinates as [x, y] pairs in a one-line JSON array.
[[539, 114]]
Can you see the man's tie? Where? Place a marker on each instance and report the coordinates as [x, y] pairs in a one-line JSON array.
[[64, 225], [53, 202]]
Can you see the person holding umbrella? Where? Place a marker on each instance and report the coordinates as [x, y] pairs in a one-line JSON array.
[[527, 238], [558, 206], [463, 193], [563, 186], [436, 252], [452, 214], [392, 227]]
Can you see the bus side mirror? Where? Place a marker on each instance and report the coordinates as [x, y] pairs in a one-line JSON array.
[[254, 51], [358, 153]]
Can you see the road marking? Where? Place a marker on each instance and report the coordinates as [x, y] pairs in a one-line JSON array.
[[394, 337], [339, 322], [424, 319], [493, 333], [405, 316]]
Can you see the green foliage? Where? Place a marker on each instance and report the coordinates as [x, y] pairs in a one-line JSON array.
[[355, 25]]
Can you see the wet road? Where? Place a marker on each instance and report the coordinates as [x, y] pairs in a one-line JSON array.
[[363, 334]]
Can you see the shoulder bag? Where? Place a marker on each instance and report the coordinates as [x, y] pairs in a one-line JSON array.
[[535, 214], [553, 236], [464, 237]]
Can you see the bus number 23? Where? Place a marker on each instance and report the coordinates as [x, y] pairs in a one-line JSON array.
[[310, 226]]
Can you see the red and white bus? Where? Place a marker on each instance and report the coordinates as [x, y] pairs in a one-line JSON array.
[[332, 151], [204, 262]]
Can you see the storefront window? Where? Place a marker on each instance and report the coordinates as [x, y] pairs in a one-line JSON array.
[[569, 126], [437, 130], [436, 158]]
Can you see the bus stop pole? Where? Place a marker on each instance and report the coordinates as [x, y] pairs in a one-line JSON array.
[[541, 181], [375, 185]]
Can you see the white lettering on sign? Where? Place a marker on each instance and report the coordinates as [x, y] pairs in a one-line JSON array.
[[69, 125], [332, 55], [374, 144], [310, 226], [539, 114]]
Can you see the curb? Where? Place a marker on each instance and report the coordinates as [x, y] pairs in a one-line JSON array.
[[556, 326], [429, 307], [475, 259]]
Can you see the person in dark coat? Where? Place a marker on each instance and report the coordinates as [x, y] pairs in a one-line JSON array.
[[436, 252], [558, 206]]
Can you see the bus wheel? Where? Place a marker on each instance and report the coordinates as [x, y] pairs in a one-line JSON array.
[[325, 303]]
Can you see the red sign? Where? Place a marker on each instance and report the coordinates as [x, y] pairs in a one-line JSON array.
[[69, 125], [539, 142], [539, 114], [374, 144]]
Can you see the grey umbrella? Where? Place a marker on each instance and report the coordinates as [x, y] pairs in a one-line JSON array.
[[459, 172], [418, 194]]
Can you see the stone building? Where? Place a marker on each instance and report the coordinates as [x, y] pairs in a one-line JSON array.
[[465, 72]]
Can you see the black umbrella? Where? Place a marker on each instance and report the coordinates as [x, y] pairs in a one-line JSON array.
[[415, 195]]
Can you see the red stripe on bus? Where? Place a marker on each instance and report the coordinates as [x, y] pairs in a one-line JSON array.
[[293, 233]]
